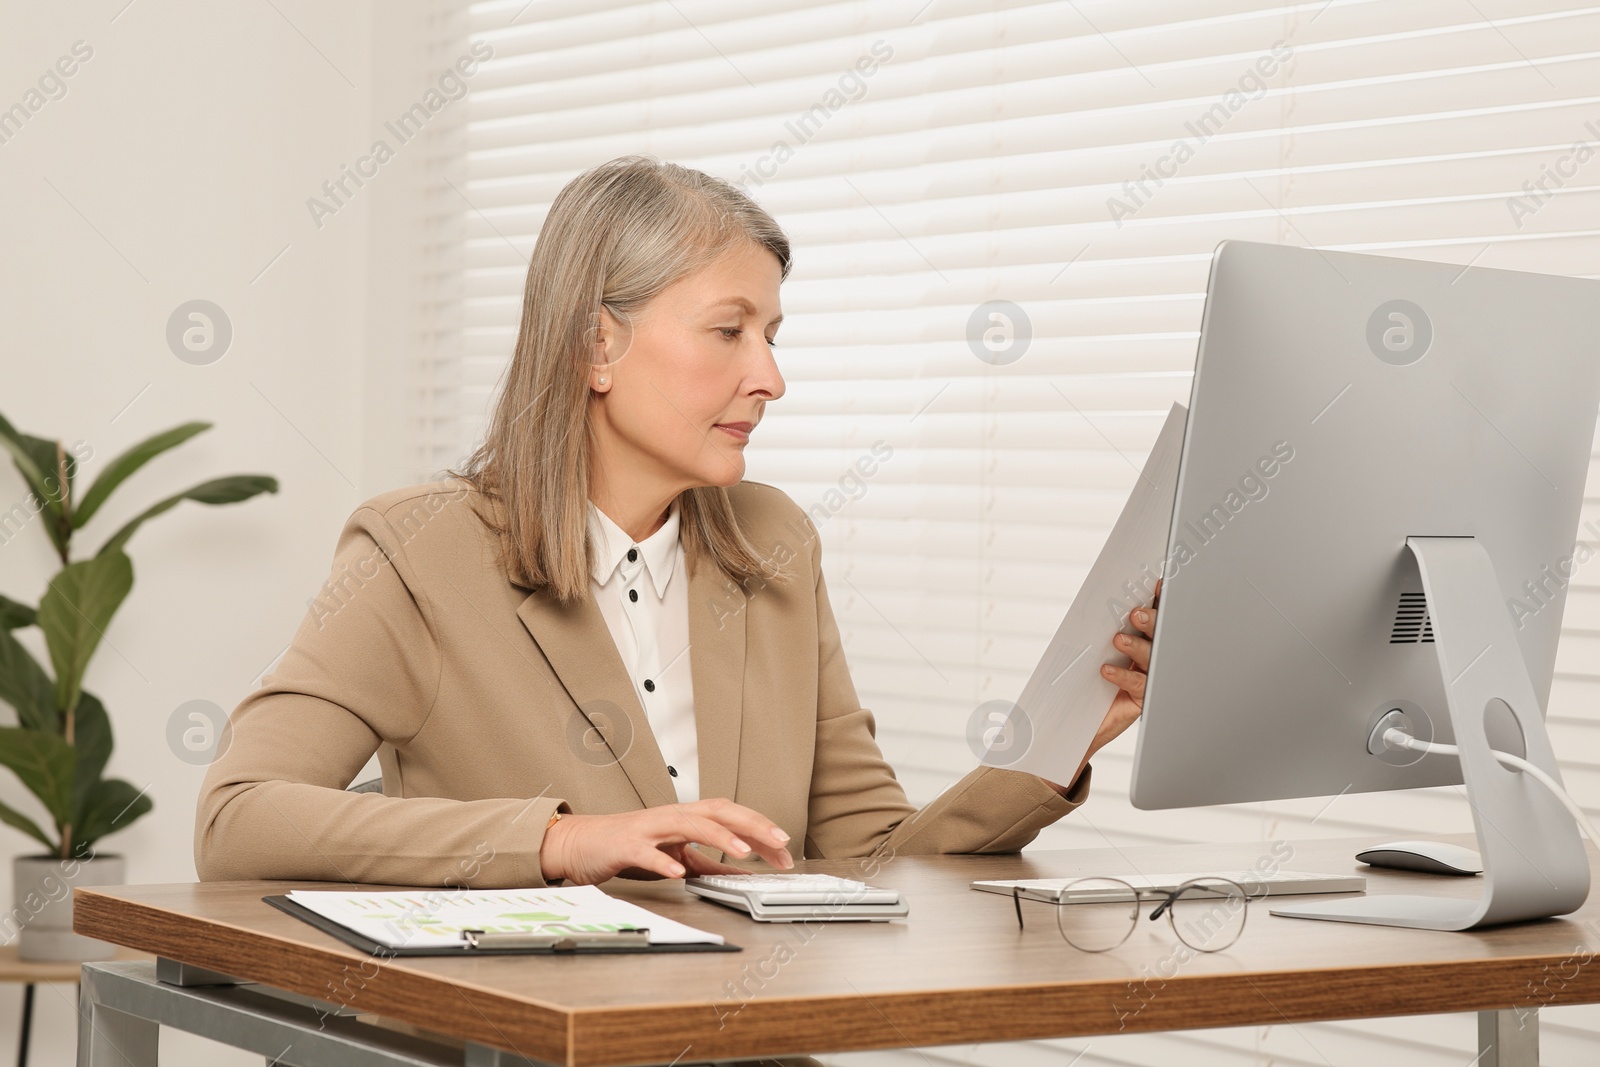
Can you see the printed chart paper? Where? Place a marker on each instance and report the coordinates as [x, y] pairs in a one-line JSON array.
[[428, 918], [1049, 728]]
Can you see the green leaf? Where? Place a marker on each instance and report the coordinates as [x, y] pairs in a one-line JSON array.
[[26, 687], [110, 806], [91, 736], [14, 615], [35, 460], [23, 457], [12, 817], [44, 455], [230, 490], [45, 763], [75, 612], [124, 465]]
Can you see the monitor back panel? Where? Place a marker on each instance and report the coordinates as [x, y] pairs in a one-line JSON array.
[[1342, 403]]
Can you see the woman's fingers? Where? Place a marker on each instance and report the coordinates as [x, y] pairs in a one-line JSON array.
[[1144, 620], [741, 819], [725, 826], [1136, 648], [687, 860], [658, 842], [700, 863], [1129, 681], [650, 858], [691, 828], [754, 829]]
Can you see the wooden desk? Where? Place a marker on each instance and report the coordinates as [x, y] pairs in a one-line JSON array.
[[957, 971]]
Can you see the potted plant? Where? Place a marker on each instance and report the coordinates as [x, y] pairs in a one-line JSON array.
[[62, 739]]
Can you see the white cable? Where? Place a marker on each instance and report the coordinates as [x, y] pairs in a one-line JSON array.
[[1395, 737]]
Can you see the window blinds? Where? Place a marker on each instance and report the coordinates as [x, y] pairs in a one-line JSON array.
[[1079, 161]]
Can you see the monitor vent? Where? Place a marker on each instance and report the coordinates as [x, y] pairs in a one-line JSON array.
[[1411, 623]]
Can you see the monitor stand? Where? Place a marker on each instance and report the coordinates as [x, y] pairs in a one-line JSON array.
[[1534, 863]]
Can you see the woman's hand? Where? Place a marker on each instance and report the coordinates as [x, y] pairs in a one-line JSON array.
[[1127, 705], [658, 842]]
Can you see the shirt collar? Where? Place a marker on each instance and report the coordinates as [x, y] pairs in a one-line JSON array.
[[658, 552]]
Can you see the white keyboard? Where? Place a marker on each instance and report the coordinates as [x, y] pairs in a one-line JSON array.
[[793, 897], [1255, 883]]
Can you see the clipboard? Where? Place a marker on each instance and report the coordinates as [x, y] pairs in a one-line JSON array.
[[568, 946]]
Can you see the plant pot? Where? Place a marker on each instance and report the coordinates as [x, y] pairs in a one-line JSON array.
[[42, 905]]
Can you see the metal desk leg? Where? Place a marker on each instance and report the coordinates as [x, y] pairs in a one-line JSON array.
[[27, 1024], [476, 1055], [1508, 1038], [111, 1038], [284, 1027]]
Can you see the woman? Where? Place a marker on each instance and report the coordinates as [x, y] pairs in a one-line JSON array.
[[596, 646]]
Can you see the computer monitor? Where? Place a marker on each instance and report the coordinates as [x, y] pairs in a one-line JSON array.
[[1376, 513]]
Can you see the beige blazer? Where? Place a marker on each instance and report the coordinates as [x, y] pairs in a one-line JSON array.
[[491, 708]]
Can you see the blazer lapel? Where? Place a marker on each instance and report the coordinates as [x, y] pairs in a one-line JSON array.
[[579, 648], [717, 612]]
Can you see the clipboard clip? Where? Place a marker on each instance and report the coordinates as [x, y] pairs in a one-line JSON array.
[[567, 942]]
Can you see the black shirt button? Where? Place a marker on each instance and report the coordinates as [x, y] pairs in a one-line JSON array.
[[672, 770], [633, 555], [633, 595], [649, 686]]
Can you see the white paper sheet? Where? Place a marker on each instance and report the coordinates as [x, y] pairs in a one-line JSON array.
[[435, 918], [1052, 723]]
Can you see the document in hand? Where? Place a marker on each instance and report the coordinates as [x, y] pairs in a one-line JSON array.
[[1049, 728], [435, 919]]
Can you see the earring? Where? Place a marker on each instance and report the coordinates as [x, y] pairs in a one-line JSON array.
[[602, 380]]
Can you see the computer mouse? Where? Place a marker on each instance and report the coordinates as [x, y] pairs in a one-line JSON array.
[[1430, 857]]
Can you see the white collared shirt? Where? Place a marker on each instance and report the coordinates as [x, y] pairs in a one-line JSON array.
[[642, 589]]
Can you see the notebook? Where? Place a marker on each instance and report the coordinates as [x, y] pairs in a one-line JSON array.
[[444, 922]]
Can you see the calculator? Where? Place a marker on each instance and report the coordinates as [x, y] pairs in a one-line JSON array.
[[787, 898]]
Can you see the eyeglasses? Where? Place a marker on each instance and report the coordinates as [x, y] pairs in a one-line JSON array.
[[1098, 914]]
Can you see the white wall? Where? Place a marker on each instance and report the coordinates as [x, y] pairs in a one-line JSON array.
[[176, 166]]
